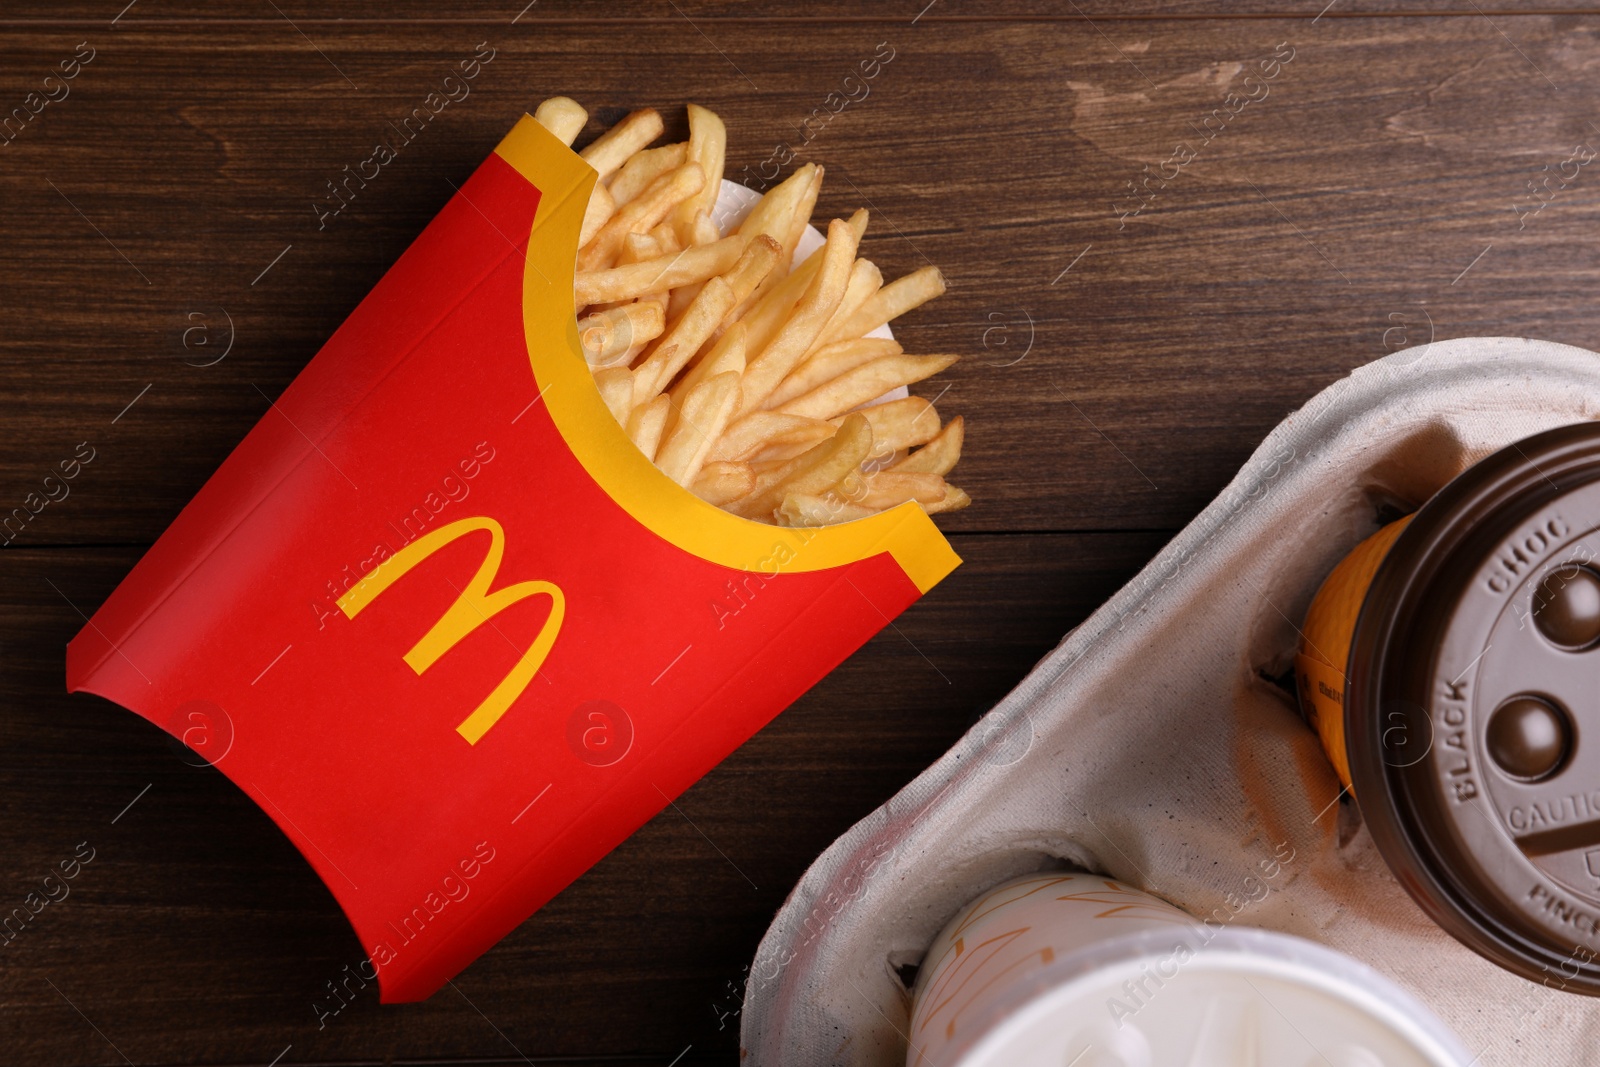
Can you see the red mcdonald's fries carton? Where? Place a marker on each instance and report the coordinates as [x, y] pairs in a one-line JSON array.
[[441, 619]]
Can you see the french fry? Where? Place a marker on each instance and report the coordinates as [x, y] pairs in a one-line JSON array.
[[939, 455], [684, 339], [627, 360], [866, 382], [607, 334], [646, 423], [639, 247], [723, 483], [666, 239], [702, 231], [797, 221], [611, 149], [827, 363], [814, 472], [755, 263], [774, 213], [562, 116], [679, 299], [801, 509], [899, 424], [645, 167], [858, 223], [665, 272], [708, 146], [954, 500], [885, 489], [766, 311], [745, 437], [890, 302], [725, 355], [742, 375], [791, 343], [640, 214], [704, 414], [789, 444], [597, 214], [865, 280], [763, 466], [616, 389]]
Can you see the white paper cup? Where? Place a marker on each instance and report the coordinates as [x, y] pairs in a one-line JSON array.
[[1075, 970]]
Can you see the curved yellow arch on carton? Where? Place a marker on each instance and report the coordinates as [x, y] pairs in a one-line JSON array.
[[603, 448]]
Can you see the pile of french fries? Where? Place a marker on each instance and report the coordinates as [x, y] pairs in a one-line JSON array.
[[749, 381]]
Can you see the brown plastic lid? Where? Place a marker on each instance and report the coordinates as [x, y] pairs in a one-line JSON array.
[[1473, 710]]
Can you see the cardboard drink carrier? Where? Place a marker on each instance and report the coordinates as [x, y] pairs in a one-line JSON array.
[[1163, 744], [446, 625]]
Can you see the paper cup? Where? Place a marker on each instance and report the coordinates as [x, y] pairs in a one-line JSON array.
[[1075, 970], [1451, 665]]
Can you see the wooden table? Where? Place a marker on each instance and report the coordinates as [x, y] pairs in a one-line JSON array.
[[1146, 274]]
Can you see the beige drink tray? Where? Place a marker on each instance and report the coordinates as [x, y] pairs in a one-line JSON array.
[[1159, 744]]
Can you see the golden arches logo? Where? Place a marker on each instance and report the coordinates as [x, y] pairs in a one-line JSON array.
[[473, 607]]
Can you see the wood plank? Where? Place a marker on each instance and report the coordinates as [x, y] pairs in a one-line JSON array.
[[1387, 156], [198, 934], [308, 14]]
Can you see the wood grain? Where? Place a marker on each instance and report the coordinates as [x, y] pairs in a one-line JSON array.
[[285, 15], [1387, 156], [1118, 367]]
